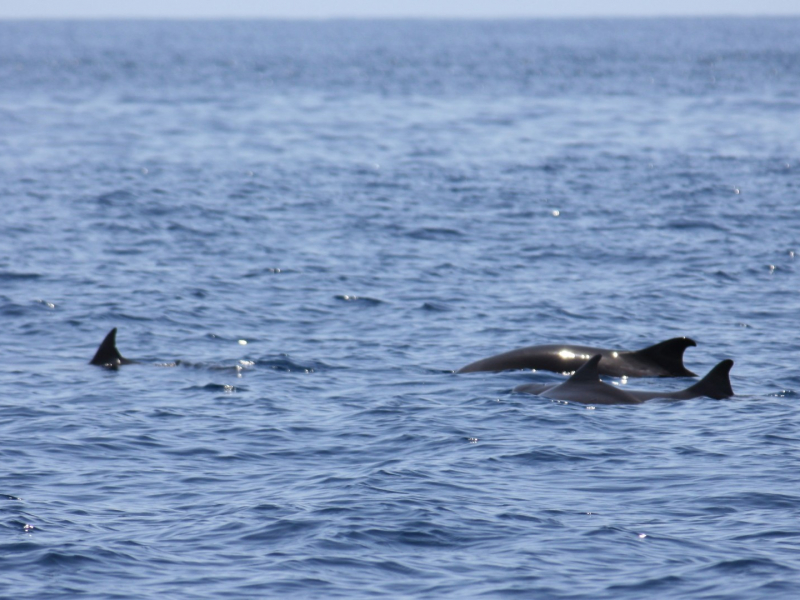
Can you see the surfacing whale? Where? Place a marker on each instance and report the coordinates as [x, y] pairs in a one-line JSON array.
[[108, 357], [107, 354], [585, 387], [664, 359]]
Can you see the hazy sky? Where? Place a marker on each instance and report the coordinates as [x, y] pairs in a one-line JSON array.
[[382, 8]]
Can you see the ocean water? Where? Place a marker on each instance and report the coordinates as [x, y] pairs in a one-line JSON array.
[[302, 229]]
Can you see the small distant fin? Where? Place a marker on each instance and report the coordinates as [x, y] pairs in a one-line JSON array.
[[107, 354], [588, 372], [669, 355], [716, 384]]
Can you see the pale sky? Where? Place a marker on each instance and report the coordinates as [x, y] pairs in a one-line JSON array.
[[316, 9]]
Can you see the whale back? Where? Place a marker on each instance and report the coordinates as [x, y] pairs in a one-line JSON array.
[[586, 387], [664, 359], [716, 384]]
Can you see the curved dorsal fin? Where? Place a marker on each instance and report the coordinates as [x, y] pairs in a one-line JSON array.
[[588, 372], [716, 384], [669, 355], [107, 353]]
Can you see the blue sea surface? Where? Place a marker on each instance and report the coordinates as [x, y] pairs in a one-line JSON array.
[[303, 229]]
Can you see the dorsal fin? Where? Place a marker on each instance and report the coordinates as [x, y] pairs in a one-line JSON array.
[[669, 355], [107, 353], [716, 384], [588, 372]]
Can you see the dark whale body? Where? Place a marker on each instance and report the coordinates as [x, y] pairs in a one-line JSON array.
[[664, 359], [107, 354], [585, 387]]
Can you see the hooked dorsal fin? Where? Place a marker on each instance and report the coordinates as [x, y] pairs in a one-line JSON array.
[[717, 383], [669, 355], [588, 372], [107, 353]]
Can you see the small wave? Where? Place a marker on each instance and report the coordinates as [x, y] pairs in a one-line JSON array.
[[64, 559], [751, 500], [753, 566], [435, 307], [365, 300], [574, 315], [217, 388], [726, 276], [17, 276], [237, 368], [280, 530], [415, 534], [694, 451], [115, 197], [112, 317], [538, 456], [287, 365], [512, 516], [766, 535], [248, 190], [606, 530], [11, 309], [648, 586], [265, 271], [193, 451], [434, 234], [163, 413], [683, 224], [176, 227]]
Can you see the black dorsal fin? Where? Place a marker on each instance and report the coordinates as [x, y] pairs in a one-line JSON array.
[[669, 355], [588, 372], [107, 353], [716, 384]]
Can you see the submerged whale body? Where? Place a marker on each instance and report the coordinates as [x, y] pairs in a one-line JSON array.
[[108, 357], [107, 354], [585, 387], [664, 359]]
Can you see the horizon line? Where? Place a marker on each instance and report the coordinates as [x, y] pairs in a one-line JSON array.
[[526, 17]]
